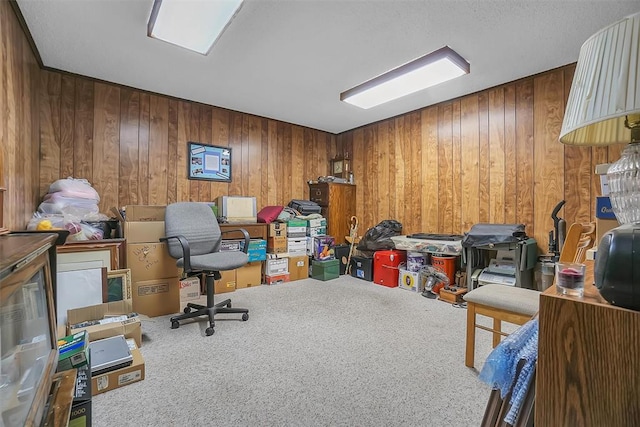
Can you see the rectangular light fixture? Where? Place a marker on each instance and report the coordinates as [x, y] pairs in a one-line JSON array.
[[191, 24], [428, 70]]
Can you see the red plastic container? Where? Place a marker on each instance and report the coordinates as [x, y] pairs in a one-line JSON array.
[[385, 267]]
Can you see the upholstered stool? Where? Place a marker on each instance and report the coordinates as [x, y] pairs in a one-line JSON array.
[[500, 302]]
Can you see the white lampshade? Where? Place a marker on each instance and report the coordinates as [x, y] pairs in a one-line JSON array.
[[606, 86], [604, 108]]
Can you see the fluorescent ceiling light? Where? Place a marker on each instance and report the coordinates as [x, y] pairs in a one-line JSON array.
[[192, 24], [428, 70]]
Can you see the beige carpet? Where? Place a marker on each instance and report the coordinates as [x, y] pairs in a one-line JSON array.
[[339, 353]]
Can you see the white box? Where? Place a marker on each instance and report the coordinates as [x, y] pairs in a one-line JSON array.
[[317, 222], [297, 246], [296, 231], [275, 266], [411, 281], [310, 241], [601, 171], [317, 231], [189, 289]]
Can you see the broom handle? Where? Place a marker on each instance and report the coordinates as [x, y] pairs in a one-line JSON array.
[[353, 232]]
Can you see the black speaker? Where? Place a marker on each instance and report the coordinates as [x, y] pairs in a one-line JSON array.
[[617, 267]]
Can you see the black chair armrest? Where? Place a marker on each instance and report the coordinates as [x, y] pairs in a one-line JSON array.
[[246, 237], [186, 250]]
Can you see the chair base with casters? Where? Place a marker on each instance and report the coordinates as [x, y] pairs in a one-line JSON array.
[[210, 310]]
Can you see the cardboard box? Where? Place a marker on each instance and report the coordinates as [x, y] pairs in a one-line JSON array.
[[411, 280], [226, 284], [257, 249], [297, 246], [156, 297], [601, 171], [189, 289], [323, 248], [120, 377], [277, 278], [277, 229], [316, 231], [296, 231], [229, 245], [276, 266], [316, 222], [277, 245], [249, 275], [149, 261], [73, 351], [130, 327], [603, 208], [143, 232], [144, 213], [602, 226], [298, 267]]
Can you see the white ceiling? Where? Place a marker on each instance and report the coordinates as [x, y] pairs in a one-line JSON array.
[[290, 59]]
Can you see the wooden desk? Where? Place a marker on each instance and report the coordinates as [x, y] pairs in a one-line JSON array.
[[256, 230], [588, 370]]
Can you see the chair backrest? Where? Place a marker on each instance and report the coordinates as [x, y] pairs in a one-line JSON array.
[[197, 223], [580, 238]]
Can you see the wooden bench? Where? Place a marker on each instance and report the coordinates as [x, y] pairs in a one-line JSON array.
[[501, 303]]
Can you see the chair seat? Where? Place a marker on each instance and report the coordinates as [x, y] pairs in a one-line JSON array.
[[515, 300], [217, 261]]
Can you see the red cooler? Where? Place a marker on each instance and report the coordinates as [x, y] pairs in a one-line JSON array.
[[385, 267]]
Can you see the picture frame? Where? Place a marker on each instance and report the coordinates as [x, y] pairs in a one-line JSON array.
[[208, 162], [119, 285]]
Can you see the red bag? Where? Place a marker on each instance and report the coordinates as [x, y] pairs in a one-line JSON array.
[[268, 214]]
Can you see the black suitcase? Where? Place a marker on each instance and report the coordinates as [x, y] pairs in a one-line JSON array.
[[305, 207]]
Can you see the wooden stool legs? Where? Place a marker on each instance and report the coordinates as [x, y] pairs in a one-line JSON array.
[[497, 315], [471, 335]]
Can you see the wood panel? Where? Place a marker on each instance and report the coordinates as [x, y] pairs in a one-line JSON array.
[[20, 106], [587, 372], [493, 155], [548, 153]]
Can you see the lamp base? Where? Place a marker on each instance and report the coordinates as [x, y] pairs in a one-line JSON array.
[[624, 185]]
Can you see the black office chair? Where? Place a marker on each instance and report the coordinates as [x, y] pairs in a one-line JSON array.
[[193, 238]]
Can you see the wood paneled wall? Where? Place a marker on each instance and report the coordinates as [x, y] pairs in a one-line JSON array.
[[132, 146], [19, 145], [492, 156]]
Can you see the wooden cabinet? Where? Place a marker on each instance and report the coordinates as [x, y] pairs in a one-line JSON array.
[[255, 230], [338, 202], [28, 347], [588, 370]]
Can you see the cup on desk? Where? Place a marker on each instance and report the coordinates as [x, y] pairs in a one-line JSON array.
[[570, 278]]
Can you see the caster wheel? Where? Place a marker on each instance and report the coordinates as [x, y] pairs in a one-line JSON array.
[[209, 331], [175, 324], [245, 317], [187, 310]]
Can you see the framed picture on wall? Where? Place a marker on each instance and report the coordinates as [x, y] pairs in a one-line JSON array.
[[209, 162]]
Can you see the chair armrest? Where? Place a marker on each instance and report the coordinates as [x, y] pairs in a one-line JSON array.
[[246, 237], [186, 250]]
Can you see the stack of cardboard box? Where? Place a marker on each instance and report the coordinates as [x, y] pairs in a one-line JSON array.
[[248, 275], [276, 268], [154, 274]]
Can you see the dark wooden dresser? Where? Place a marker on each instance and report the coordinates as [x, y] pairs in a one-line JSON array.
[[338, 202]]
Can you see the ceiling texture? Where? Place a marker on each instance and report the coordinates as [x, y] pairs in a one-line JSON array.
[[290, 59]]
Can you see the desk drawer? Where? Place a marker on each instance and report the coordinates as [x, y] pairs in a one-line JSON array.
[[256, 231], [319, 193]]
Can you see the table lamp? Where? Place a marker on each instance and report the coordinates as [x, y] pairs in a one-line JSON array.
[[604, 108]]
